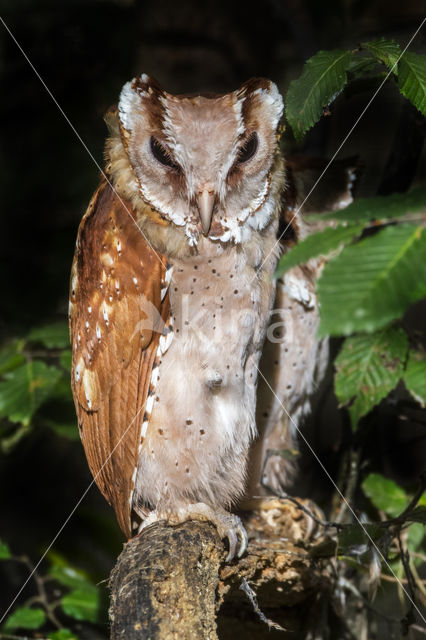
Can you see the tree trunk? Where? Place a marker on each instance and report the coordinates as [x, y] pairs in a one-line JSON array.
[[173, 583]]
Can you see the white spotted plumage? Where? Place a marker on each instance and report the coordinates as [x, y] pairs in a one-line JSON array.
[[203, 179]]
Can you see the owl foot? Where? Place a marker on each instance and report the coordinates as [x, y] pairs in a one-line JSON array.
[[227, 524]]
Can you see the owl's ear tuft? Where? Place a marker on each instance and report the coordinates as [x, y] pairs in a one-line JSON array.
[[264, 93], [142, 89], [273, 99], [128, 105]]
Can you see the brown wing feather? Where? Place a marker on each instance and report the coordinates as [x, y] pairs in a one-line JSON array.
[[115, 323]]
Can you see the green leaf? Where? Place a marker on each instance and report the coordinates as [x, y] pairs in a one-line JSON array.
[[70, 577], [368, 367], [380, 208], [323, 78], [386, 51], [415, 376], [63, 634], [52, 336], [11, 356], [412, 79], [82, 604], [25, 618], [415, 536], [373, 282], [385, 494], [24, 389], [4, 551], [321, 243]]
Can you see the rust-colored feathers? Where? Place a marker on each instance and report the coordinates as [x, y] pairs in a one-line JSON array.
[[116, 314]]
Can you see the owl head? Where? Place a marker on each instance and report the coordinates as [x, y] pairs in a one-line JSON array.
[[203, 162]]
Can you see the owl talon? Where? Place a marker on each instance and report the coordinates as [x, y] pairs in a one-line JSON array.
[[244, 542], [228, 525], [237, 531]]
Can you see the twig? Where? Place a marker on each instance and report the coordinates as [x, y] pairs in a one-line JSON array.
[[413, 502], [352, 588], [411, 584], [351, 484], [327, 524], [42, 597], [246, 588], [417, 627]]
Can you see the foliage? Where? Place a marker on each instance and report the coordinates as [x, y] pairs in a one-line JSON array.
[[326, 74], [368, 367], [377, 254], [64, 594], [374, 281], [34, 378], [323, 78], [375, 270]]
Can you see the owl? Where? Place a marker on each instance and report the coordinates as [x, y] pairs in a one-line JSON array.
[[171, 295]]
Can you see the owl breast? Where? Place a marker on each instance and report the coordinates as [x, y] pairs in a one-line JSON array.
[[203, 416]]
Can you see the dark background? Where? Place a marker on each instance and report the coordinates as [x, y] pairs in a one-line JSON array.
[[85, 51]]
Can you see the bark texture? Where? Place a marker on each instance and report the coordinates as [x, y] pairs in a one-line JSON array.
[[173, 582]]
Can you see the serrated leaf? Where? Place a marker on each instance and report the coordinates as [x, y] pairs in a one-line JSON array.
[[4, 551], [373, 282], [412, 79], [62, 634], [82, 604], [380, 208], [385, 494], [11, 356], [24, 389], [386, 51], [323, 78], [415, 376], [25, 618], [52, 336], [368, 367], [317, 244]]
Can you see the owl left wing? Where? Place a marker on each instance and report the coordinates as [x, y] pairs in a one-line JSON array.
[[118, 308]]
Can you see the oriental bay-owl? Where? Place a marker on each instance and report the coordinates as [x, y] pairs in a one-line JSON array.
[[171, 295]]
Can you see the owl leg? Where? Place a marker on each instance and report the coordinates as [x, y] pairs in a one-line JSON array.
[[227, 524]]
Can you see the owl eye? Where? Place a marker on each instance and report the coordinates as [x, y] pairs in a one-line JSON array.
[[248, 149], [162, 154]]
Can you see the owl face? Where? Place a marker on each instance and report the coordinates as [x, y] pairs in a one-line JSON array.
[[203, 163]]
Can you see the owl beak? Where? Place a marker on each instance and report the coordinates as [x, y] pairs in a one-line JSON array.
[[205, 202]]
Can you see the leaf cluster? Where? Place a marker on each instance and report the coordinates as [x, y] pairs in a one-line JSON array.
[[327, 73], [63, 594], [34, 385], [375, 269]]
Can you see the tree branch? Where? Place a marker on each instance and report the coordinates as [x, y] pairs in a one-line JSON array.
[[172, 582]]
